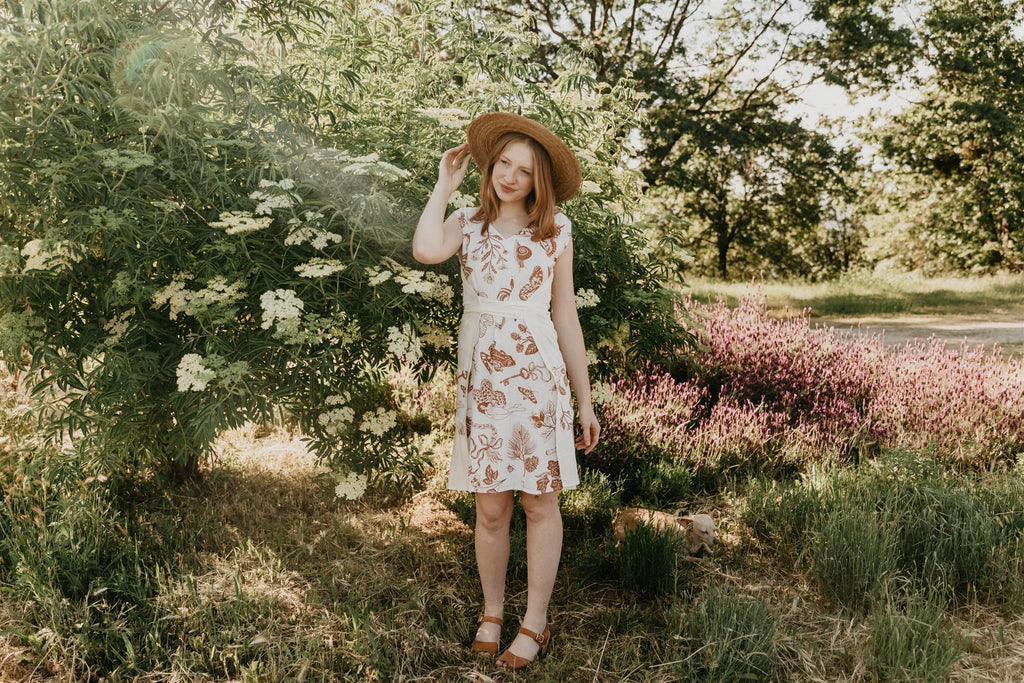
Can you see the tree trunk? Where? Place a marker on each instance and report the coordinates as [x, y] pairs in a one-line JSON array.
[[723, 241]]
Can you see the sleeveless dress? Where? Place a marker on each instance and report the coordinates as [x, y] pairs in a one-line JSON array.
[[513, 413]]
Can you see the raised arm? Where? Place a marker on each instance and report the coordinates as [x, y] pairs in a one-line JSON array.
[[437, 239], [570, 342]]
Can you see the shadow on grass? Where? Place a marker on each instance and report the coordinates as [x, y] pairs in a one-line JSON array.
[[281, 580]]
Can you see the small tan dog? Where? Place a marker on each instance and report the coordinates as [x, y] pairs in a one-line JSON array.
[[698, 530]]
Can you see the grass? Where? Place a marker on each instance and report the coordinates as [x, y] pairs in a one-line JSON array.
[[732, 636], [257, 573], [879, 294], [910, 640]]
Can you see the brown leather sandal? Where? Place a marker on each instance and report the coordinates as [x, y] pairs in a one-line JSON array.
[[486, 647], [511, 662]]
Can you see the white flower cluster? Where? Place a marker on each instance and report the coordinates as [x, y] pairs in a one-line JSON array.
[[193, 375], [123, 159], [280, 305], [600, 392], [217, 292], [460, 200], [351, 486], [371, 165], [377, 275], [240, 222], [117, 327], [274, 195], [404, 343], [56, 256], [319, 267], [431, 286], [379, 421], [317, 237], [337, 420], [591, 357], [586, 298], [435, 336], [449, 117], [590, 187]]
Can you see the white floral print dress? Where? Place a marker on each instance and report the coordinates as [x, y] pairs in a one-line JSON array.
[[513, 414]]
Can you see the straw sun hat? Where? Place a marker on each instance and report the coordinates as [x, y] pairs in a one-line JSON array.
[[485, 130]]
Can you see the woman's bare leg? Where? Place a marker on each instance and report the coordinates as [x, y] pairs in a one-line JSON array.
[[543, 550], [493, 515]]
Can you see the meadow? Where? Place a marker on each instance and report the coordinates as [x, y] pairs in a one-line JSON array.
[[877, 293], [869, 502]]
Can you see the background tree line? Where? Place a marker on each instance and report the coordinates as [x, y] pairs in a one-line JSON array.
[[744, 183]]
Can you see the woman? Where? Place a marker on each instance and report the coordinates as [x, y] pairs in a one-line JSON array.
[[514, 416]]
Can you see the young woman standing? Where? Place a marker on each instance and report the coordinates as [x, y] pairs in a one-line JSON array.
[[516, 359]]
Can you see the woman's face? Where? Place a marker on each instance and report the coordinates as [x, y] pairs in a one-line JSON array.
[[512, 173]]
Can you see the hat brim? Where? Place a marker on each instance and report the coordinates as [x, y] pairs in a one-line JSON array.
[[483, 133]]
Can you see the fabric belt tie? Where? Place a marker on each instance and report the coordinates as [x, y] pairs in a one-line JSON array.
[[509, 309]]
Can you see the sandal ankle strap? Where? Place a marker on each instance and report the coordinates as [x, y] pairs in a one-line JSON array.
[[490, 620], [540, 639]]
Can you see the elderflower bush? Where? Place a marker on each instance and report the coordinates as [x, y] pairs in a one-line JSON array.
[[197, 242]]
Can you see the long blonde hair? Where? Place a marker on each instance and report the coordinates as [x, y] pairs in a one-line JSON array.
[[540, 203]]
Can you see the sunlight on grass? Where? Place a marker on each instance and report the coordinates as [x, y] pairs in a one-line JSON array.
[[864, 293]]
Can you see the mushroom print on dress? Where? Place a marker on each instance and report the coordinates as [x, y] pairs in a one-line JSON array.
[[514, 417]]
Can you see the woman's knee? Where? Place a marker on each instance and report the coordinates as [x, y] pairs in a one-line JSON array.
[[494, 510], [540, 507]]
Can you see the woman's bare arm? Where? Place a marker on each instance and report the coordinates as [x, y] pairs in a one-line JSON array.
[[570, 342], [437, 239]]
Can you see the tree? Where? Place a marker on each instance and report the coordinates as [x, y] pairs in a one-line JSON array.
[[957, 154], [756, 186], [717, 144]]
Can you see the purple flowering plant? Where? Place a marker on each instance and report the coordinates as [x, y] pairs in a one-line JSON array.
[[762, 393]]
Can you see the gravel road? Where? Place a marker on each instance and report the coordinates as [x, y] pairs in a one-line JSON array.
[[1005, 330]]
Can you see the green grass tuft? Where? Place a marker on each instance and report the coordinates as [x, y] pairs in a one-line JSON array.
[[730, 637], [853, 557], [646, 561], [910, 640]]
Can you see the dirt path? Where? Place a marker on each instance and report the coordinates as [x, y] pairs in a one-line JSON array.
[[1005, 329]]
